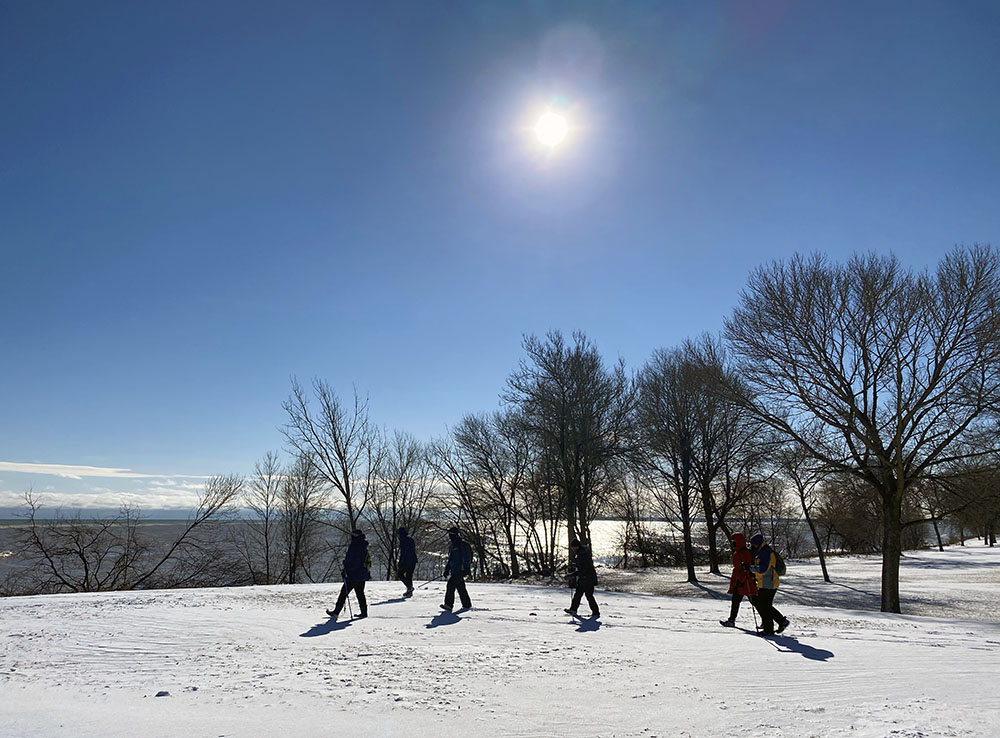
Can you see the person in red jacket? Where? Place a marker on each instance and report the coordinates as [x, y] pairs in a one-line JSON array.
[[741, 582]]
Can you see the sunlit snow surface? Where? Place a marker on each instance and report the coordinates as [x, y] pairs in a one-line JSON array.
[[265, 661]]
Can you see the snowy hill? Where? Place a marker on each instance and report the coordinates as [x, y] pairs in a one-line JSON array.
[[266, 661]]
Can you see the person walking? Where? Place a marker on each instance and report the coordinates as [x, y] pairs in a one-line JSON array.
[[356, 572], [767, 586], [407, 561], [740, 582], [586, 578], [458, 567]]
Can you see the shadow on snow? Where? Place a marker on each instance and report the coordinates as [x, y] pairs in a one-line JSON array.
[[788, 644], [445, 617], [586, 625], [327, 626]]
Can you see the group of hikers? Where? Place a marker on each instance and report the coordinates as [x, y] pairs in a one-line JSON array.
[[755, 575], [357, 570]]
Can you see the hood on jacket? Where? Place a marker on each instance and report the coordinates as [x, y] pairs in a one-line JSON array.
[[739, 541]]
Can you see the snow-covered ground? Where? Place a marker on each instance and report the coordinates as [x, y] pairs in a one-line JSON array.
[[265, 661]]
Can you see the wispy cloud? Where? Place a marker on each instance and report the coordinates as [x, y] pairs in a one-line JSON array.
[[70, 471], [109, 500]]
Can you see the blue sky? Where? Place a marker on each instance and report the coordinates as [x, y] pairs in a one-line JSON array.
[[199, 201]]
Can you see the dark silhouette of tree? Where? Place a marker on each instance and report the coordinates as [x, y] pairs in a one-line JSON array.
[[875, 370], [577, 412]]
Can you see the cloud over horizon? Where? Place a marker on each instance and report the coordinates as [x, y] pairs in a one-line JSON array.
[[72, 471]]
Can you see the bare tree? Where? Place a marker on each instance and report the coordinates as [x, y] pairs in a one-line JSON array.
[[497, 450], [805, 475], [577, 413], [876, 371], [404, 491], [634, 506], [71, 554], [730, 445], [259, 538], [196, 555], [668, 421], [541, 509], [339, 441], [458, 501], [968, 495], [302, 503]]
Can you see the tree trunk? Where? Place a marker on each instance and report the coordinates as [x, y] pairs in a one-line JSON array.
[[713, 554], [685, 500], [892, 512], [571, 532], [515, 569], [818, 543], [937, 532]]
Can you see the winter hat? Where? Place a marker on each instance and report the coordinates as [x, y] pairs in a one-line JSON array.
[[756, 539], [401, 531], [739, 540], [356, 533], [574, 543], [454, 531]]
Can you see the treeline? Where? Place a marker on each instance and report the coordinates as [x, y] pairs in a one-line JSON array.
[[844, 408]]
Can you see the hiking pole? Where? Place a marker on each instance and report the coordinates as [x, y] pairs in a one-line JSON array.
[[431, 581], [347, 595], [753, 606]]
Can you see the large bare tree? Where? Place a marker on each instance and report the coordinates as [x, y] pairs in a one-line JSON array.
[[577, 412], [339, 440], [876, 370], [668, 415]]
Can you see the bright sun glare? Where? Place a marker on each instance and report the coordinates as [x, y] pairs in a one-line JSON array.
[[551, 129]]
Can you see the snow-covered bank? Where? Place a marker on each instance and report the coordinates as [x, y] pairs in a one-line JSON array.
[[266, 661]]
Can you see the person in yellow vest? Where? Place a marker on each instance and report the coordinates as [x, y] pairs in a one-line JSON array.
[[767, 585]]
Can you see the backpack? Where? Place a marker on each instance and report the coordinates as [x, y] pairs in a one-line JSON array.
[[466, 558], [779, 564]]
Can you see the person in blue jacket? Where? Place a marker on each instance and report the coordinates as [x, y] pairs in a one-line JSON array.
[[458, 567], [767, 586], [355, 572], [586, 578], [407, 560]]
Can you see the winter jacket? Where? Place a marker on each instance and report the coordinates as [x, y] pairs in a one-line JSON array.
[[355, 560], [407, 551], [459, 558], [586, 574], [742, 582], [763, 568]]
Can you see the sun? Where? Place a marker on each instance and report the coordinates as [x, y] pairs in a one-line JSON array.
[[551, 129]]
